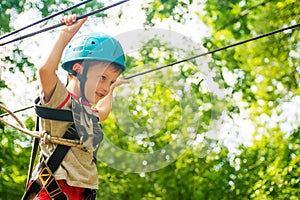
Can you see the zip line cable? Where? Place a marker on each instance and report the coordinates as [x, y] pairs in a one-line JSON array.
[[193, 57], [44, 19], [61, 24], [23, 109], [214, 51]]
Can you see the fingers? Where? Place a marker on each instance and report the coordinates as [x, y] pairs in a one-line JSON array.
[[120, 82], [123, 81], [71, 19]]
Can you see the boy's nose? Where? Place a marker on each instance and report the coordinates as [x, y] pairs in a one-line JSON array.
[[106, 88]]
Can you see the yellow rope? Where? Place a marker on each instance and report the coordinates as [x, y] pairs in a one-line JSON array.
[[44, 136]]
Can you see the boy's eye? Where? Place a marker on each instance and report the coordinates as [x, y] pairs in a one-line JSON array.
[[102, 78]]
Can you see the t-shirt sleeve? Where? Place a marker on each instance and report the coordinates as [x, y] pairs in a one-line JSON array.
[[59, 95]]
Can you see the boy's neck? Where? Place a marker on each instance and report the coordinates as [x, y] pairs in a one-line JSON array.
[[73, 87], [74, 90]]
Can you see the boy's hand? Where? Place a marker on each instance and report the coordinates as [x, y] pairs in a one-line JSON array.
[[119, 82], [72, 25], [104, 105]]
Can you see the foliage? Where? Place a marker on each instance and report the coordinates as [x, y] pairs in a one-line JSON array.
[[275, 162], [190, 177], [161, 9], [267, 69], [14, 163], [175, 107], [267, 74]]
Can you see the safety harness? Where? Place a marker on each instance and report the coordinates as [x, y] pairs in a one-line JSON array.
[[48, 166]]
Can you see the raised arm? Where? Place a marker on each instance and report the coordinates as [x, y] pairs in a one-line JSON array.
[[47, 70]]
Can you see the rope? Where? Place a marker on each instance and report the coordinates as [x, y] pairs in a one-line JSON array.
[[61, 24], [44, 136], [44, 19]]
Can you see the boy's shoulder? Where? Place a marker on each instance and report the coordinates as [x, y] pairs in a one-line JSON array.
[[59, 98]]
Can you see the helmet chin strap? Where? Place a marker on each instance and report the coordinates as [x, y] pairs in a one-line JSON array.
[[82, 79]]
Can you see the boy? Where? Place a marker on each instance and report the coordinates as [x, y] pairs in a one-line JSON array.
[[94, 63]]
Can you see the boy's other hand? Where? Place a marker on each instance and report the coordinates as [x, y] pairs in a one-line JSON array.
[[119, 82]]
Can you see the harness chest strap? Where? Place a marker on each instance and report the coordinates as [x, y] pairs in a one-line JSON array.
[[47, 168], [51, 114]]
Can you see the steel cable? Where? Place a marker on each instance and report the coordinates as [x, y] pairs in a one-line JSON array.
[[193, 57], [61, 24], [44, 19], [214, 51]]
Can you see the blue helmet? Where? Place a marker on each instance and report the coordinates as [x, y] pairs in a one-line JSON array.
[[96, 46]]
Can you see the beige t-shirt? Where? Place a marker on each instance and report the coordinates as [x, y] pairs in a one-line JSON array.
[[78, 167]]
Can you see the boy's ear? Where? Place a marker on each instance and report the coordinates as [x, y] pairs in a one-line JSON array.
[[77, 67]]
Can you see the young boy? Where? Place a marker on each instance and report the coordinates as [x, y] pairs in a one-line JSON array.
[[94, 63]]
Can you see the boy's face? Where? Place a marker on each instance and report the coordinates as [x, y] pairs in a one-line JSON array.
[[99, 79]]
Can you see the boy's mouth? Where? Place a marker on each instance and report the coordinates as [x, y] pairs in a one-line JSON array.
[[100, 95]]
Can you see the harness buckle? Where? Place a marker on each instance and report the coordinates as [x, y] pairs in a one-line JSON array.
[[45, 175]]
